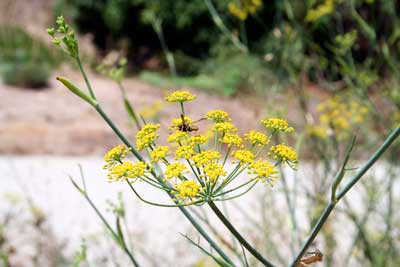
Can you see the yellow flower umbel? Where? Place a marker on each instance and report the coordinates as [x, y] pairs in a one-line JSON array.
[[264, 171], [127, 170], [180, 96], [147, 135], [198, 140], [115, 156], [231, 139], [284, 153], [225, 127], [276, 124], [178, 137], [175, 170], [187, 189], [206, 157], [158, 153], [340, 116], [218, 116], [256, 138], [213, 170], [243, 156], [184, 152]]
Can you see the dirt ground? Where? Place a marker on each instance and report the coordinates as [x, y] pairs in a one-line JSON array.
[[54, 121]]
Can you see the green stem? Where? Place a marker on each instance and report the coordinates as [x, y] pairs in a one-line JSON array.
[[238, 236], [129, 108], [370, 162], [78, 60]]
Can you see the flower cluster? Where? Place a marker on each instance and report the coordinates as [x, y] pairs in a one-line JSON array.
[[276, 124], [244, 8], [159, 153], [198, 172], [256, 138], [283, 153], [218, 116], [147, 136], [180, 96], [338, 116], [120, 170], [114, 156]]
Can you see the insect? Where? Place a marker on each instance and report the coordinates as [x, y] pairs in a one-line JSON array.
[[310, 258], [188, 127]]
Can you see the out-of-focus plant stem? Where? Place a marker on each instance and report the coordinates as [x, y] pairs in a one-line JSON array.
[[238, 236], [129, 108], [337, 196], [220, 24], [118, 238]]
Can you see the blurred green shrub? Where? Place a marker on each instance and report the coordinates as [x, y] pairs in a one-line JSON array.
[[328, 40], [24, 60]]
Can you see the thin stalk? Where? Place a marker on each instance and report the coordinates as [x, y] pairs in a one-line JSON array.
[[157, 26], [234, 189], [289, 202], [159, 204], [370, 162], [129, 108], [220, 24], [115, 236], [78, 60], [238, 195], [238, 236]]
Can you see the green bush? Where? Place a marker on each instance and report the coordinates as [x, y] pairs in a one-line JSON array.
[[326, 40], [24, 60]]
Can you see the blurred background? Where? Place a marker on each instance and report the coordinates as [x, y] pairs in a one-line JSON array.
[[331, 67]]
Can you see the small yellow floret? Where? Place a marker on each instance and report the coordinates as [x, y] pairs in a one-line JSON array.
[[218, 116], [231, 139], [213, 170], [276, 124], [180, 96], [158, 153], [264, 171], [147, 135], [185, 152], [115, 156], [127, 170], [284, 153], [206, 157], [256, 138], [225, 127], [198, 139], [175, 169], [243, 156], [178, 137], [187, 189]]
